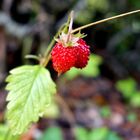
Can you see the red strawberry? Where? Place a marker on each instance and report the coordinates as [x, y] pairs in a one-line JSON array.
[[63, 58], [67, 53], [83, 53]]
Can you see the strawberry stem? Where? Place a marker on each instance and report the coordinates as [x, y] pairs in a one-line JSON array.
[[44, 61], [70, 26], [71, 21], [104, 20], [47, 55]]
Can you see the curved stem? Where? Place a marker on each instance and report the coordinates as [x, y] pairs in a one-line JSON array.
[[47, 55], [63, 28], [53, 40], [104, 20]]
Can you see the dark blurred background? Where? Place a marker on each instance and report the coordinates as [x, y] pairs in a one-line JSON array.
[[100, 102]]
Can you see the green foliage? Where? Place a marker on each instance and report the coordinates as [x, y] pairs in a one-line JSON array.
[[97, 4], [135, 99], [52, 133], [5, 134], [113, 136], [91, 70], [81, 133], [134, 3], [52, 111], [98, 133], [132, 117], [102, 133], [87, 14], [127, 87], [30, 92], [84, 17]]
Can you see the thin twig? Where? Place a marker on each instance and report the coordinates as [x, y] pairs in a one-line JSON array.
[[104, 20]]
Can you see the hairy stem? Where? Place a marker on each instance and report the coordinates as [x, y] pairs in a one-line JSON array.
[[104, 20]]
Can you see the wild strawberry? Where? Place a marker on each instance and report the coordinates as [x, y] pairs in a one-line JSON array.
[[69, 51], [63, 58], [83, 53]]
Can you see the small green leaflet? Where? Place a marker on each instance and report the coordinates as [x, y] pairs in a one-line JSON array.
[[30, 92]]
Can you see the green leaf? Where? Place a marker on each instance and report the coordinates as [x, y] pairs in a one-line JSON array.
[[30, 92], [135, 99], [5, 133], [52, 133], [91, 70], [52, 111], [81, 133], [113, 136], [127, 87], [98, 134]]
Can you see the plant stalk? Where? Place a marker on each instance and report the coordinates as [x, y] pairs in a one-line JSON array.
[[63, 28], [70, 26], [47, 55], [104, 20]]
